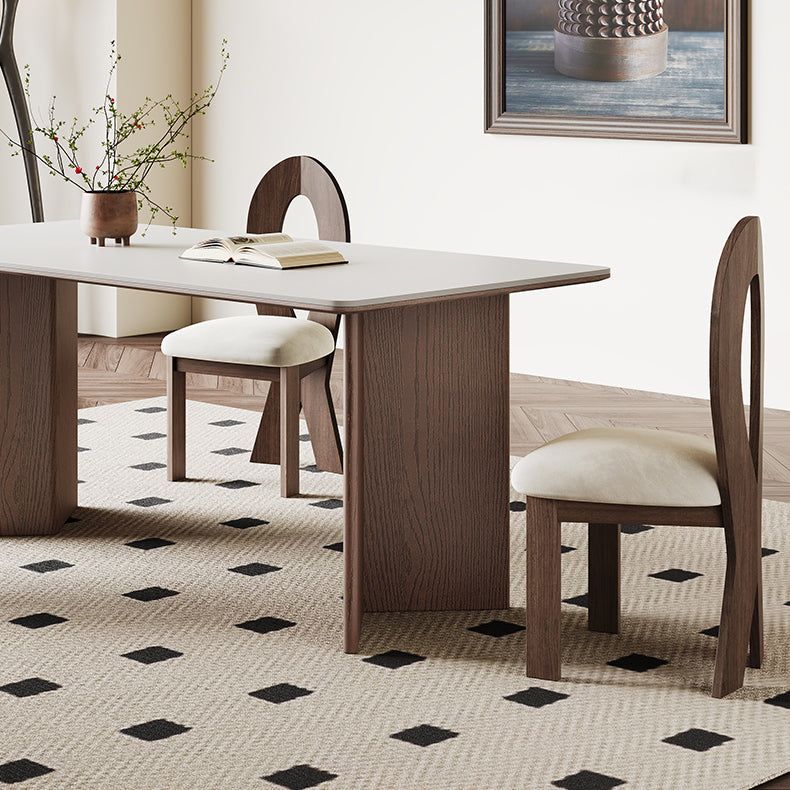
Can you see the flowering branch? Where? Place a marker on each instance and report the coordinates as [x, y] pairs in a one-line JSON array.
[[121, 168]]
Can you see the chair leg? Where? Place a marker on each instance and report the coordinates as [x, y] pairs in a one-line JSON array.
[[289, 431], [756, 634], [319, 412], [544, 589], [741, 586], [176, 421], [603, 573], [266, 448]]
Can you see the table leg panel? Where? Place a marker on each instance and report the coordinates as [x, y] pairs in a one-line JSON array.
[[38, 404], [427, 457]]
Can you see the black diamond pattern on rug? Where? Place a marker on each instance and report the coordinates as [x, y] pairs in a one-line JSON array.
[[155, 730], [578, 600], [150, 594], [21, 771], [636, 662], [518, 507], [335, 546], [780, 700], [236, 484], [675, 575], [311, 468], [588, 780], [244, 523], [152, 655], [84, 421], [265, 625], [535, 697], [281, 692], [497, 628], [328, 504], [768, 552], [299, 777], [151, 410], [82, 449], [254, 569], [45, 566], [147, 437], [149, 501], [697, 740], [565, 549], [304, 437], [148, 466], [226, 423], [393, 659], [712, 631], [424, 735], [634, 529], [40, 620], [146, 544], [29, 687], [230, 451]]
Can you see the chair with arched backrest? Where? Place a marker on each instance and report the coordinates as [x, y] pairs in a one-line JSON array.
[[294, 355], [612, 476], [302, 175]]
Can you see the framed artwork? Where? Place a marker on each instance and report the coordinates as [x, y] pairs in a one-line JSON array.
[[643, 69]]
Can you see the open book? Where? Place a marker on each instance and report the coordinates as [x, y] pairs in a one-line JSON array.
[[270, 250]]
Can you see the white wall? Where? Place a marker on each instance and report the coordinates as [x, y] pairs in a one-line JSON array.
[[67, 45], [390, 97], [67, 48]]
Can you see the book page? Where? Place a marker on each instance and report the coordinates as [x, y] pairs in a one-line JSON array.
[[262, 238], [295, 253]]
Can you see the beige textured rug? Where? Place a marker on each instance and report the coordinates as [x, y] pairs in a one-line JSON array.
[[188, 635]]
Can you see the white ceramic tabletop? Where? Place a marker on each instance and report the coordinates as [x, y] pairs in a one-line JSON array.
[[373, 277]]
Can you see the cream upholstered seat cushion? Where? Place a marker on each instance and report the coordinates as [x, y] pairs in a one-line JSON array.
[[269, 340], [628, 466]]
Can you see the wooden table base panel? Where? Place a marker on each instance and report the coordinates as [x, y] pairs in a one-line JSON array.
[[427, 459], [38, 404]]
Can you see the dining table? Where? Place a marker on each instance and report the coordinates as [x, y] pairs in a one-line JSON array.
[[426, 391]]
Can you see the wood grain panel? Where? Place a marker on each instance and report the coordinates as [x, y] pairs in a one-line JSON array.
[[38, 404], [431, 505], [104, 356], [135, 362], [544, 589]]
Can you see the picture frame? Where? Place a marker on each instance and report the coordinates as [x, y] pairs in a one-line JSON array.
[[526, 94]]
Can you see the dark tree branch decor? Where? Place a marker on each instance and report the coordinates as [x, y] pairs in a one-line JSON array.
[[13, 82], [119, 166]]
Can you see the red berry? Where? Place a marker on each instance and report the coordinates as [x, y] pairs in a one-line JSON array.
[[77, 170], [97, 167], [56, 139]]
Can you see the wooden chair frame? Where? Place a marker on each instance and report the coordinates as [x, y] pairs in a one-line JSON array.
[[291, 389], [301, 175], [739, 456]]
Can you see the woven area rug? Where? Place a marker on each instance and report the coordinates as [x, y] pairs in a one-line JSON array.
[[188, 635]]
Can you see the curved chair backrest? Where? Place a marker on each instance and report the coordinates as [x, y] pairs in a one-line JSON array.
[[299, 175], [738, 450]]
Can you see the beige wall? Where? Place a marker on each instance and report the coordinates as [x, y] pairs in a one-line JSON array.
[[154, 40], [66, 45], [390, 97]]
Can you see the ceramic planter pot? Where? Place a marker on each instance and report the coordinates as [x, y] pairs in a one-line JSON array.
[[610, 40], [109, 215]]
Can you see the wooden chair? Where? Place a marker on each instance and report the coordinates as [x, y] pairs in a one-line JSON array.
[[295, 355], [613, 476]]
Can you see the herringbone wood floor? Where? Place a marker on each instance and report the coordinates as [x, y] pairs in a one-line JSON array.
[[540, 409]]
